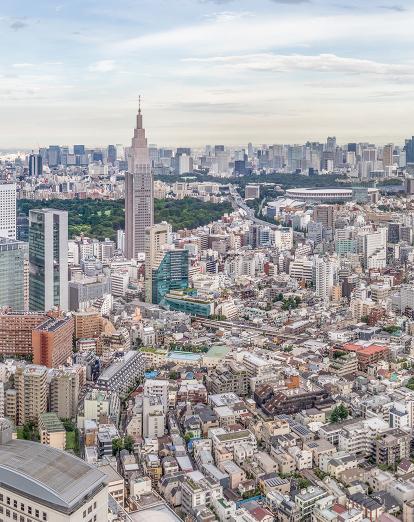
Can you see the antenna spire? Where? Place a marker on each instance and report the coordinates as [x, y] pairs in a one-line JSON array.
[[139, 104]]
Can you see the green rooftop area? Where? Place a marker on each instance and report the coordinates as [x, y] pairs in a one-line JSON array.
[[217, 351], [51, 422], [233, 436]]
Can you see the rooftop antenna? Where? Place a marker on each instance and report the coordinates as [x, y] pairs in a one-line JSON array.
[[139, 104]]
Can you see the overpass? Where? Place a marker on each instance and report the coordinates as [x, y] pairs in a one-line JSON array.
[[238, 203]]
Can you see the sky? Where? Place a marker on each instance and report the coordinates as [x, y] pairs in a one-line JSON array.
[[209, 71]]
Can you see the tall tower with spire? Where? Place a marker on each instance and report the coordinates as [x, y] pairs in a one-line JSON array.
[[139, 192]]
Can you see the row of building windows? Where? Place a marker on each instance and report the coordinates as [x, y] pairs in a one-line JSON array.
[[89, 510], [29, 509]]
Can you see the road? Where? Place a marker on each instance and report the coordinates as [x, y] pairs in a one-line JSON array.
[[239, 203]]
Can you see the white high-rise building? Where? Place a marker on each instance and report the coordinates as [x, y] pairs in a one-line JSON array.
[[8, 210], [283, 238], [120, 240], [139, 193], [324, 273], [373, 247], [153, 417], [185, 164]]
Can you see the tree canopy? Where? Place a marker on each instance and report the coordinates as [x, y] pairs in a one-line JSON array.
[[101, 219]]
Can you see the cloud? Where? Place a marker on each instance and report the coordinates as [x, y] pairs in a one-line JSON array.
[[217, 2], [18, 24], [227, 33], [396, 8], [102, 66], [22, 65], [291, 2], [324, 63]]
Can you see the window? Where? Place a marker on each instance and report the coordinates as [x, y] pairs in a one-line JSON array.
[[90, 509], [15, 503], [94, 505], [37, 513], [8, 501], [44, 516], [29, 510], [21, 507]]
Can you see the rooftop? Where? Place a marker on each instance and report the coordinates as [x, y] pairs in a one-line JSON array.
[[50, 476], [51, 422]]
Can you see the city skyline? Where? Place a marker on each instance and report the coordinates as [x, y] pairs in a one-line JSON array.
[[273, 71]]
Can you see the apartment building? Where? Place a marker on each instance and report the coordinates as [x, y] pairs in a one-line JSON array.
[[31, 385], [124, 373], [64, 392]]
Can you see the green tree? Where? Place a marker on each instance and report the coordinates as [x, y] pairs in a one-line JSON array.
[[117, 445], [339, 413], [129, 443]]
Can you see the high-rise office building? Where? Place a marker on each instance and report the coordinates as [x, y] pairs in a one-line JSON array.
[[157, 238], [111, 154], [35, 165], [171, 274], [12, 273], [54, 155], [139, 193], [8, 210], [409, 150], [79, 150], [324, 214], [22, 228], [48, 258], [388, 155]]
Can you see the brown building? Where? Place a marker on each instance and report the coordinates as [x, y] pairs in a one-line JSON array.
[[16, 332], [368, 354], [45, 337], [88, 325], [52, 342], [274, 400]]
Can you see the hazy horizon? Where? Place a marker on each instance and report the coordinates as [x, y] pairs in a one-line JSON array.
[[209, 71]]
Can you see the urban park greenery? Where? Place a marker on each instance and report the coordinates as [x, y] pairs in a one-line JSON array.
[[101, 219]]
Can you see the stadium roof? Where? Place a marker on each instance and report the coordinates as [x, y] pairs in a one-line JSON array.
[[49, 476]]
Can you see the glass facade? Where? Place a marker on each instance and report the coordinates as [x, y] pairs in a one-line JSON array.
[[189, 305], [12, 258], [48, 259], [172, 274], [37, 263]]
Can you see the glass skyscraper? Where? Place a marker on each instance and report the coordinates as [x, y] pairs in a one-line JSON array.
[[171, 274], [48, 259], [12, 273]]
